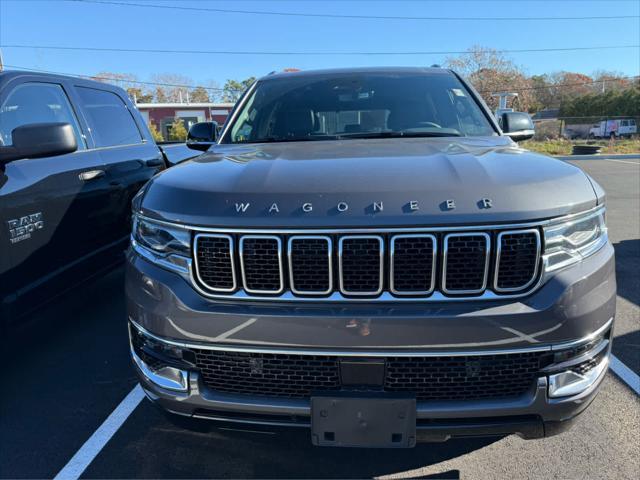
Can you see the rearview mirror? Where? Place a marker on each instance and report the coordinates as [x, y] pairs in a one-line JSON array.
[[517, 125], [39, 140], [202, 135]]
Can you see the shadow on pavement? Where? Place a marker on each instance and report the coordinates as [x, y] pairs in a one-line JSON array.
[[627, 268], [150, 446]]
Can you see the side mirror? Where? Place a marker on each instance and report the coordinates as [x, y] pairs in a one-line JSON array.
[[517, 125], [202, 135], [39, 140]]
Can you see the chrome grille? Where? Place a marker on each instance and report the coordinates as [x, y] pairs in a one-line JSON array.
[[310, 266], [395, 265], [413, 264], [261, 263], [361, 265], [466, 263], [517, 260], [215, 262]]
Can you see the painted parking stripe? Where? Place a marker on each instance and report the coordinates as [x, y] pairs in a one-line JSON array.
[[101, 436], [621, 161], [625, 374]]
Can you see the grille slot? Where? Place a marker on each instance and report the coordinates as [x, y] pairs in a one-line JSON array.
[[429, 378], [310, 265], [261, 263], [413, 263], [361, 264], [215, 262], [517, 260], [466, 263]]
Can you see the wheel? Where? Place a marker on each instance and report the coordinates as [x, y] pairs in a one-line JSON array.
[[592, 136]]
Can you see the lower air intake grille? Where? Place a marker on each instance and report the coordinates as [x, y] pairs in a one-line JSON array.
[[361, 265], [466, 257], [215, 262], [429, 378], [261, 264], [518, 261]]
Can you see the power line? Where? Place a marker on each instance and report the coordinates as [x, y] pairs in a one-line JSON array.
[[501, 88], [115, 80], [360, 17], [317, 53]]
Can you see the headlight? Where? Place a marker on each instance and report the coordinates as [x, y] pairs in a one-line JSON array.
[[168, 246], [574, 239]]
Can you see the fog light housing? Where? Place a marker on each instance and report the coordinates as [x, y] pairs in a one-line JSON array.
[[167, 377], [568, 383]]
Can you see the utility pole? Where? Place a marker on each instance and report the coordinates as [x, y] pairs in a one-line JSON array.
[[1, 62]]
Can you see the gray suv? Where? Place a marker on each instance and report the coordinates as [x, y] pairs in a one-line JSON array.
[[368, 254]]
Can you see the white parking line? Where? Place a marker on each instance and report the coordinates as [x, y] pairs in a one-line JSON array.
[[101, 436], [621, 161], [627, 375]]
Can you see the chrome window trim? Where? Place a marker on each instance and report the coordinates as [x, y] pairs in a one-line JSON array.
[[498, 250], [434, 262], [280, 265], [380, 269], [486, 263], [229, 238], [372, 351], [329, 259]]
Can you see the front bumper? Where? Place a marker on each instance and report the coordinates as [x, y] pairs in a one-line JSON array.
[[570, 309]]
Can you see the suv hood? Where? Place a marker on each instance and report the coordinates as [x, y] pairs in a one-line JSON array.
[[380, 180]]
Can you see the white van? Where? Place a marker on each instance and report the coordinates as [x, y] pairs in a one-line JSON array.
[[614, 128]]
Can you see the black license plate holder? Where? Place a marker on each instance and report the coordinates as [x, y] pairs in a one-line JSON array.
[[363, 421]]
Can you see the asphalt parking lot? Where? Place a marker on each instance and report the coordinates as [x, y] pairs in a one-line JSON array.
[[69, 370]]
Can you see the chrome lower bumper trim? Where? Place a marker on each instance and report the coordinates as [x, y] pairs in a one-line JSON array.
[[408, 352]]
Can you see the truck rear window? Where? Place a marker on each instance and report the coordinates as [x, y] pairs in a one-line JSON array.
[[358, 106]]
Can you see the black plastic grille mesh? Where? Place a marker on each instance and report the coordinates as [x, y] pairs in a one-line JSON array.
[[466, 261], [361, 264], [310, 269], [260, 257], [214, 262], [277, 375], [518, 257], [429, 378], [463, 378], [412, 264]]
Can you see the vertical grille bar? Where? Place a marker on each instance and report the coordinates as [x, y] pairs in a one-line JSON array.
[[465, 265], [214, 264], [517, 260], [261, 264], [361, 264], [310, 264], [413, 264]]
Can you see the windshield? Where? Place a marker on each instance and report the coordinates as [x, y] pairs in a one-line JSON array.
[[323, 107]]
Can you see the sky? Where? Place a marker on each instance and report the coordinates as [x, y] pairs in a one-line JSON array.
[[75, 24]]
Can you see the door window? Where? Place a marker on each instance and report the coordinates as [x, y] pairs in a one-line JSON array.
[[36, 102], [109, 118]]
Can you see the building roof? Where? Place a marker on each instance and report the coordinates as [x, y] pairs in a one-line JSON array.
[[185, 105]]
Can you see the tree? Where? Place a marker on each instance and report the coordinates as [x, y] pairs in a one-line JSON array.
[[171, 87], [139, 96], [489, 71], [199, 95], [177, 131], [233, 89], [155, 133]]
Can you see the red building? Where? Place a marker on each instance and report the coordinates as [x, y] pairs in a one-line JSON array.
[[162, 115]]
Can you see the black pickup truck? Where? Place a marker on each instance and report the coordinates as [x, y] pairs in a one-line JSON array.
[[73, 153]]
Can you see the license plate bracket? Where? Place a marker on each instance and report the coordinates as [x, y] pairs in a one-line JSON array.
[[363, 421]]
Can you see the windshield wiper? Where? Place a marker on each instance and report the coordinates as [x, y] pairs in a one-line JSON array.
[[399, 134]]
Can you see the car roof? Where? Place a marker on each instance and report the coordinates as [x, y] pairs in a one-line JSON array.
[[7, 75], [358, 70]]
